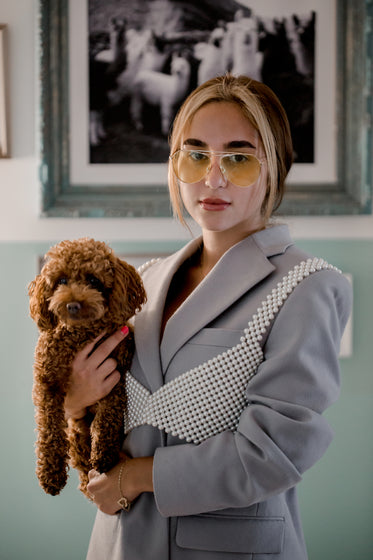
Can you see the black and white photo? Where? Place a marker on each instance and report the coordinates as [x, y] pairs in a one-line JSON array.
[[146, 56], [114, 72]]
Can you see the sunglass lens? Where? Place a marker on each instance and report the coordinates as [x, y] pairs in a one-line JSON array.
[[190, 167], [241, 169]]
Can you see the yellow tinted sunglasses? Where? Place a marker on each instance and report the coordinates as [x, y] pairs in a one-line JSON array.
[[191, 166]]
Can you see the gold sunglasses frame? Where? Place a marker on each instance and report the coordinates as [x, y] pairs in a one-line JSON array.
[[211, 154]]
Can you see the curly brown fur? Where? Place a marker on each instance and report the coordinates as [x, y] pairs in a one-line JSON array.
[[83, 290]]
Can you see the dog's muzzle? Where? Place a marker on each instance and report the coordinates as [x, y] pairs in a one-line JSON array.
[[73, 308]]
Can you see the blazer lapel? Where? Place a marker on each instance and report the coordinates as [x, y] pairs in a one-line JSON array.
[[243, 266], [148, 322]]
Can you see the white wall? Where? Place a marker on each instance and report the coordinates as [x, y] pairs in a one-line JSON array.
[[19, 210]]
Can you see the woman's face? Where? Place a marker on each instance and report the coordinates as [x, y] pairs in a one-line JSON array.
[[215, 203]]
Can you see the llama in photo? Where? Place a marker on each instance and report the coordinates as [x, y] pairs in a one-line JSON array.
[[162, 90]]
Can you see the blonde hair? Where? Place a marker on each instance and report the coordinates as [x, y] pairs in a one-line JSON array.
[[263, 109]]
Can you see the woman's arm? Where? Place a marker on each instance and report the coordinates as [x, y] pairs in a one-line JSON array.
[[106, 489], [93, 376]]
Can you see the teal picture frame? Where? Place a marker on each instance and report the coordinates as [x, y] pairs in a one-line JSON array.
[[4, 125], [350, 194]]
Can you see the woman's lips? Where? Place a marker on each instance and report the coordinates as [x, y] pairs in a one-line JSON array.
[[214, 204]]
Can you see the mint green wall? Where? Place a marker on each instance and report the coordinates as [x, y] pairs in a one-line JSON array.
[[336, 495]]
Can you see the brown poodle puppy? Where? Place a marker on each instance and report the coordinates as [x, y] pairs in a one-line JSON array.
[[83, 290]]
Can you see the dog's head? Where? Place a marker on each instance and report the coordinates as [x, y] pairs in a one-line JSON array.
[[83, 282]]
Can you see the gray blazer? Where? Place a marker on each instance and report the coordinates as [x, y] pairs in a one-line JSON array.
[[233, 495]]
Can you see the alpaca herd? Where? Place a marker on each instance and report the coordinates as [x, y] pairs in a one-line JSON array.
[[145, 69]]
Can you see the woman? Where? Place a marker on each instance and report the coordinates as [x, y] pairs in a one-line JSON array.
[[234, 365]]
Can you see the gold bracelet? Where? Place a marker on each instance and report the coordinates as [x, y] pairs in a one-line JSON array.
[[123, 502]]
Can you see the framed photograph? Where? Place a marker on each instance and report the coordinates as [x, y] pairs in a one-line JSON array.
[[114, 72], [4, 145]]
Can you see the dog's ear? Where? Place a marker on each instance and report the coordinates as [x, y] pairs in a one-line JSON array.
[[128, 294], [38, 292]]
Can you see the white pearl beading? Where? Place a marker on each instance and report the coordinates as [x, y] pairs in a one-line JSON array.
[[210, 398], [141, 269]]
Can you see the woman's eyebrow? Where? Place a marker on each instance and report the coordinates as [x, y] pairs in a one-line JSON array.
[[239, 144], [195, 142], [234, 144]]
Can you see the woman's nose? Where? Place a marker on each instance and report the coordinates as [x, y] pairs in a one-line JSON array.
[[215, 177]]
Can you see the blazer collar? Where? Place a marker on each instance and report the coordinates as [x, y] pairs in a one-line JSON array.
[[273, 240], [240, 268]]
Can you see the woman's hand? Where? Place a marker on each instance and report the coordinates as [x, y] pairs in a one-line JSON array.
[[93, 374], [137, 477]]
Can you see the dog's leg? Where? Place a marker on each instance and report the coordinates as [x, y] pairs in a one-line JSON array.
[[107, 428], [52, 445], [80, 448], [107, 431]]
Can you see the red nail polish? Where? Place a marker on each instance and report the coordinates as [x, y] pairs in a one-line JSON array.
[[124, 330]]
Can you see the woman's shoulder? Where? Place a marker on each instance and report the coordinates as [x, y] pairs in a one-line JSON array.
[[294, 256], [315, 276], [318, 281]]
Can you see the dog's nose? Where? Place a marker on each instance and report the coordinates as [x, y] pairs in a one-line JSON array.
[[73, 307]]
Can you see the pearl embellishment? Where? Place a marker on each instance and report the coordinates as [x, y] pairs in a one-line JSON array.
[[210, 398]]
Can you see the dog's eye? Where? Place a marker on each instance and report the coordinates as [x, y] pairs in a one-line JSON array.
[[95, 283], [63, 281]]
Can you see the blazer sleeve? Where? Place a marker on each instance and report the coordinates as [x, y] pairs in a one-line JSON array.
[[281, 432]]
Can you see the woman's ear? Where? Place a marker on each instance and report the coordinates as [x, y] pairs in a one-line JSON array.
[[38, 292], [128, 294]]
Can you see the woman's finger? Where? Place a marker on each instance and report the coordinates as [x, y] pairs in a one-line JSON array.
[[109, 382], [93, 474], [88, 349], [104, 350], [106, 368]]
